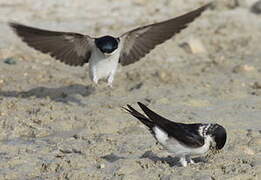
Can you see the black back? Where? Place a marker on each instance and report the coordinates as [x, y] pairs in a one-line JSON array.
[[107, 44], [185, 133], [188, 134]]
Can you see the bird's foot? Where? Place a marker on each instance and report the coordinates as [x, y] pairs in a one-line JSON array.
[[183, 161]]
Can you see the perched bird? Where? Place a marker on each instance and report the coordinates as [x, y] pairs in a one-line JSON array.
[[103, 53], [184, 140]]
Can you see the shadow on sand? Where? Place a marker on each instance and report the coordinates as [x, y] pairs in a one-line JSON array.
[[62, 94], [172, 161]]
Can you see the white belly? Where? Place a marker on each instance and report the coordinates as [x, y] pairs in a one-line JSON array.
[[178, 149], [102, 66]]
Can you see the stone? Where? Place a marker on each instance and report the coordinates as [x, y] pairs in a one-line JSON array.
[[243, 68], [194, 46], [10, 61], [247, 150], [256, 7]]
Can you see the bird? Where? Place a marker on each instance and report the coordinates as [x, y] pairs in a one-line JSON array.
[[103, 53], [183, 140]]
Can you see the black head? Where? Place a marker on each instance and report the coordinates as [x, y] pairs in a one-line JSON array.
[[218, 133], [107, 44]]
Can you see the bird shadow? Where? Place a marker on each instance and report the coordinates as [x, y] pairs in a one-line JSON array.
[[112, 157], [61, 94], [172, 161]]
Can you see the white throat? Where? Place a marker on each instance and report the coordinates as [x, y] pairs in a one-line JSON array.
[[103, 65]]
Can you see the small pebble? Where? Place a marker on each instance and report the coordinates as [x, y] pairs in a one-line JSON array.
[[256, 85], [193, 46], [257, 163], [256, 141], [243, 68], [256, 7], [247, 150], [101, 166], [10, 61], [164, 76]]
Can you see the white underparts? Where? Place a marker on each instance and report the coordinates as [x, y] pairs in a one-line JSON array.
[[178, 149], [103, 66], [183, 161]]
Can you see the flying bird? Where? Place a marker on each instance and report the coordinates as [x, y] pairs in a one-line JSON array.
[[103, 53], [183, 140]]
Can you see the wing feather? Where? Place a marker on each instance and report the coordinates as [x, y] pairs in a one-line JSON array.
[[182, 132], [71, 48], [134, 41]]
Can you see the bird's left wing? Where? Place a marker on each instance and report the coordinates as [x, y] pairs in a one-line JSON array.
[[181, 132]]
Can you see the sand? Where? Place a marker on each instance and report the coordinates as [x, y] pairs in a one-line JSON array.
[[56, 124]]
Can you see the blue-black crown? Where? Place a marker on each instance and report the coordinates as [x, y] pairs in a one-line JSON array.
[[107, 44]]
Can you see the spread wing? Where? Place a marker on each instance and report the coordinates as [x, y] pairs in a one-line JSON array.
[[71, 48], [182, 132], [139, 42]]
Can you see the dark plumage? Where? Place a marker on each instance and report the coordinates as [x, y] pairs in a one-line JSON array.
[[76, 49], [182, 139]]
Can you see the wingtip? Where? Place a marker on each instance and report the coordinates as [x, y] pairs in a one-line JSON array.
[[138, 115], [138, 102], [141, 105], [129, 106], [125, 109], [14, 25]]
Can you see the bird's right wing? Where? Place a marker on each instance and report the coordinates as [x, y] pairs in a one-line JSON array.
[[71, 48]]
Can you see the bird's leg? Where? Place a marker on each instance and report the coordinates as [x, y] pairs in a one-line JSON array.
[[95, 79], [183, 161], [93, 74], [190, 160], [110, 79]]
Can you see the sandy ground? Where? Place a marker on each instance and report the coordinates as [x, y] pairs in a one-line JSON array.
[[55, 124]]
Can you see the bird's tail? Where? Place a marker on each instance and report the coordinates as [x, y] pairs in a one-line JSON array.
[[156, 118], [139, 116]]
